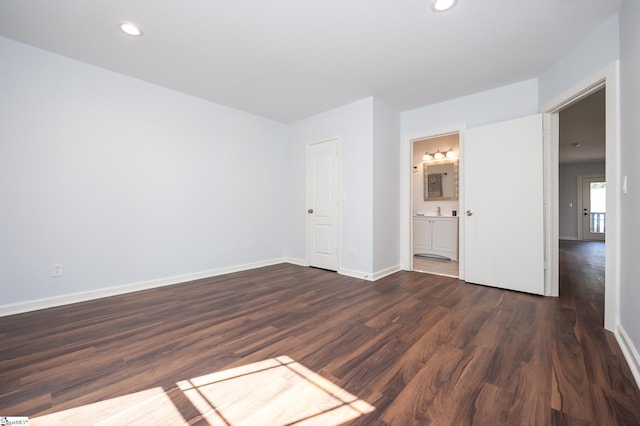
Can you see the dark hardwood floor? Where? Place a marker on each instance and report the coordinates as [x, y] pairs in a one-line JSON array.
[[293, 345]]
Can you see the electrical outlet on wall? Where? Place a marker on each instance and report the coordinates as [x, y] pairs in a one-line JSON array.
[[57, 269]]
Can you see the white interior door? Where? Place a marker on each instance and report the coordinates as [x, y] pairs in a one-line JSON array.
[[594, 208], [504, 227], [323, 204]]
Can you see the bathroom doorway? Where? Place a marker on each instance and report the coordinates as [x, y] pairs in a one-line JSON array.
[[435, 205]]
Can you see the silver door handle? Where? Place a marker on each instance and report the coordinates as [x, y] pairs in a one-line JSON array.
[[310, 211], [469, 213]]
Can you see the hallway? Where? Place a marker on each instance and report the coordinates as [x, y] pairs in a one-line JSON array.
[[582, 266]]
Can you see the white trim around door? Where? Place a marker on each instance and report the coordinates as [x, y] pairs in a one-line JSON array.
[[406, 193]]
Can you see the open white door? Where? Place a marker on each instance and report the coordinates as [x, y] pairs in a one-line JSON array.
[[323, 204], [504, 227]]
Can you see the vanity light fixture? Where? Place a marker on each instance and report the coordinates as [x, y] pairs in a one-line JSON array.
[[130, 28], [442, 5], [438, 155]]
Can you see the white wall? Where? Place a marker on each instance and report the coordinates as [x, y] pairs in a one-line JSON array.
[[630, 158], [368, 131], [568, 195], [353, 125], [593, 54], [386, 189], [492, 106], [124, 181]]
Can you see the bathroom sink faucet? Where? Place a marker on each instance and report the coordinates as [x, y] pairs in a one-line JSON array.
[[439, 212]]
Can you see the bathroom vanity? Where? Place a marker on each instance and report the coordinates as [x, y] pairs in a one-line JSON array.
[[435, 236]]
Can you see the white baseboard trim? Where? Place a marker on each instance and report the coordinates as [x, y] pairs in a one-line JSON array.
[[50, 302], [630, 352], [294, 261], [356, 274], [568, 238], [370, 276], [385, 272]]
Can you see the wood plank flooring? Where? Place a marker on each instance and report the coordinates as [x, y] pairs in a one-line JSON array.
[[293, 345], [436, 266]]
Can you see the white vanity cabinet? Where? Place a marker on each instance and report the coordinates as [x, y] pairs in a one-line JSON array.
[[436, 236]]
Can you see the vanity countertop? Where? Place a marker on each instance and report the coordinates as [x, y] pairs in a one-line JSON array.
[[434, 215]]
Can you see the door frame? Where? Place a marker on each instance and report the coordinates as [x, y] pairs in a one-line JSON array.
[[580, 203], [339, 202], [609, 78], [406, 193]]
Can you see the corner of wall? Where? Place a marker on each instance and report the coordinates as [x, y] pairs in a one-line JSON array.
[[630, 352]]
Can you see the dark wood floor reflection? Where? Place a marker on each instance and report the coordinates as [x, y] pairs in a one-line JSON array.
[[436, 266], [412, 348]]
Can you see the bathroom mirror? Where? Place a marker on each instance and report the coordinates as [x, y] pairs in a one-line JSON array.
[[440, 180]]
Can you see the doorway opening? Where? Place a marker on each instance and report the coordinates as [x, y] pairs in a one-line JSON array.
[[592, 208], [582, 192], [435, 205]]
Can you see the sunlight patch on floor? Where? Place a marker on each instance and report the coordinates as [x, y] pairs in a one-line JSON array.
[[277, 391], [150, 406]]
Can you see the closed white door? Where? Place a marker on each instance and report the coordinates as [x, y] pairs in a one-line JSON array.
[[323, 205], [594, 208], [504, 227]]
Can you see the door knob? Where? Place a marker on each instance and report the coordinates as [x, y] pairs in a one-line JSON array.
[[469, 213], [310, 211]]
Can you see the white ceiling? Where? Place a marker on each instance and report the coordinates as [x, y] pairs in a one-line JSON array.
[[583, 123], [289, 59]]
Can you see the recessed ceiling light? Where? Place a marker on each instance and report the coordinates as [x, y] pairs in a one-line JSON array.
[[442, 5], [130, 29]]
